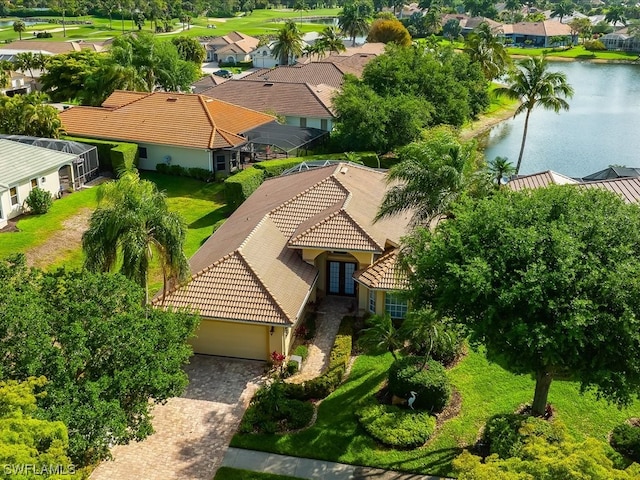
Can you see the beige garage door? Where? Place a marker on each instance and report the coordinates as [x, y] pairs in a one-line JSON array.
[[231, 339]]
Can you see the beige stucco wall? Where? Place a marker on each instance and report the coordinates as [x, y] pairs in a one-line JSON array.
[[232, 339], [311, 122], [183, 156], [48, 180]]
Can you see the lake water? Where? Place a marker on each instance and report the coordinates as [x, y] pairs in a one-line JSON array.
[[601, 128], [5, 23]]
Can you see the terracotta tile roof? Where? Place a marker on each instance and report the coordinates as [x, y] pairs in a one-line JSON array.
[[627, 188], [234, 42], [547, 28], [386, 273], [54, 48], [165, 118], [247, 269], [297, 99], [120, 98], [537, 180], [314, 73]]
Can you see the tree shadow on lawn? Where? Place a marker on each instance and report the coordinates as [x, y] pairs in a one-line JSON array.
[[210, 219]]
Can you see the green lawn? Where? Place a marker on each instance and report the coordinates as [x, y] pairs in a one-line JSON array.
[[259, 22], [486, 390], [226, 473], [577, 52]]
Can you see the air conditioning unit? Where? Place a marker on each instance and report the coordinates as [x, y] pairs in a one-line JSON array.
[[167, 159]]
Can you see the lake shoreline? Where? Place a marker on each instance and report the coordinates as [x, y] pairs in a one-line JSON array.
[[484, 123]]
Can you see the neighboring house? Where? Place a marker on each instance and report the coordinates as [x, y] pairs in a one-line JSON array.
[[469, 24], [314, 73], [539, 180], [263, 56], [207, 82], [301, 104], [621, 40], [24, 167], [19, 84], [298, 238], [46, 47], [231, 48], [535, 34], [612, 173], [192, 131]]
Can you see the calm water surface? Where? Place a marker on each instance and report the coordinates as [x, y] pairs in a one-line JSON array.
[[601, 128]]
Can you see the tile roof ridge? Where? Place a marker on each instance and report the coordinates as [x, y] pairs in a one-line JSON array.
[[226, 134], [141, 95], [211, 99], [264, 286], [304, 192], [360, 227], [316, 225], [203, 103], [312, 89]]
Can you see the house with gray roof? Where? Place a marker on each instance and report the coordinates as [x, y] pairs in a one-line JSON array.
[[24, 167]]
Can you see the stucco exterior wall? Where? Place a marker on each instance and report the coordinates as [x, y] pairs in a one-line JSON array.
[[183, 156], [48, 180], [311, 122], [232, 339]]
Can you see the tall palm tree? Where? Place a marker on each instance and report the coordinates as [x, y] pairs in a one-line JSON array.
[[483, 47], [380, 336], [429, 176], [288, 44], [330, 40], [562, 9], [534, 85], [133, 221], [499, 168], [25, 62], [616, 14], [19, 27], [300, 6], [355, 19]]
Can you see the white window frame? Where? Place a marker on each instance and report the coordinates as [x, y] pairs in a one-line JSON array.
[[395, 306], [372, 301], [17, 196], [37, 184]]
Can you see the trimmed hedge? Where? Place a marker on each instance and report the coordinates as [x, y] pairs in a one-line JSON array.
[[394, 426], [625, 439], [180, 171], [273, 168], [429, 382], [326, 383], [240, 186], [107, 158]]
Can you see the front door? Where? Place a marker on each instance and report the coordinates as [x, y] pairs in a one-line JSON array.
[[340, 278]]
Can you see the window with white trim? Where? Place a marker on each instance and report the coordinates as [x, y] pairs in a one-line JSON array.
[[395, 306], [13, 193], [34, 183], [372, 301]]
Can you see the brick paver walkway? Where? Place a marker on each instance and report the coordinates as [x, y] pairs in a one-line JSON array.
[[330, 313], [193, 431]]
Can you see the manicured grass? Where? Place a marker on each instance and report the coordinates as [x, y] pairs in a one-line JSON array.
[[498, 103], [226, 473], [259, 22], [486, 390], [577, 52], [37, 229]]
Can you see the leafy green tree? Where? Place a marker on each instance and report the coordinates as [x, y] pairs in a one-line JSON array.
[[355, 18], [67, 74], [580, 27], [452, 29], [535, 86], [481, 8], [513, 7], [28, 115], [6, 67], [483, 46], [132, 220], [106, 355], [368, 121], [387, 31], [288, 44], [429, 176], [19, 27], [26, 439], [545, 280], [381, 336], [190, 49], [616, 14], [109, 77], [562, 9]]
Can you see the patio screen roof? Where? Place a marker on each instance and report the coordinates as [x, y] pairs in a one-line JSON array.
[[285, 138]]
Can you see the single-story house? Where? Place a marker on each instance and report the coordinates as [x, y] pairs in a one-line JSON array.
[[536, 34], [469, 24], [301, 104], [314, 73], [231, 48], [24, 167], [298, 238], [189, 130], [621, 40], [539, 180], [48, 47], [263, 57]]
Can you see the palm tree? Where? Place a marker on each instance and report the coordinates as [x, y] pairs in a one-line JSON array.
[[6, 67], [300, 6], [422, 330], [499, 168], [483, 47], [25, 61], [513, 6], [616, 14], [330, 40], [534, 85], [355, 19], [380, 336], [288, 44], [133, 221], [562, 9], [429, 176], [19, 27]]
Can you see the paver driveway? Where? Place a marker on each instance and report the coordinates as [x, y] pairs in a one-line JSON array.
[[192, 432]]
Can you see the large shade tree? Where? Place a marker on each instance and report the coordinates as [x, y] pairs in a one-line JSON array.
[[130, 225], [29, 115], [546, 280], [288, 43], [534, 85]]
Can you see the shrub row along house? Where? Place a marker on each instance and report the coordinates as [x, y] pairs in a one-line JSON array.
[[298, 238]]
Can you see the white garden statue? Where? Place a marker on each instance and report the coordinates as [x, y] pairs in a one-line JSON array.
[[412, 400]]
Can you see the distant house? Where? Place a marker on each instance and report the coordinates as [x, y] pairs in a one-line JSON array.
[[192, 131], [18, 84], [301, 104], [314, 73], [612, 173], [231, 48], [48, 47], [469, 24], [24, 167], [539, 180], [207, 82], [535, 34], [621, 41], [263, 57], [298, 238]]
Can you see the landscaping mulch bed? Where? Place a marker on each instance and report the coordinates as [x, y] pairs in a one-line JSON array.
[[11, 225]]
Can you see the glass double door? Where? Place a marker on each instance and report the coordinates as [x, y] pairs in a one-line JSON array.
[[340, 278]]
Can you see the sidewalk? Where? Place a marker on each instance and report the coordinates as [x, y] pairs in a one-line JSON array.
[[309, 468]]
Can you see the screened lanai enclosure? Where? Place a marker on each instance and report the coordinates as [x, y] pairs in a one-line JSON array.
[[274, 140], [85, 167]]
